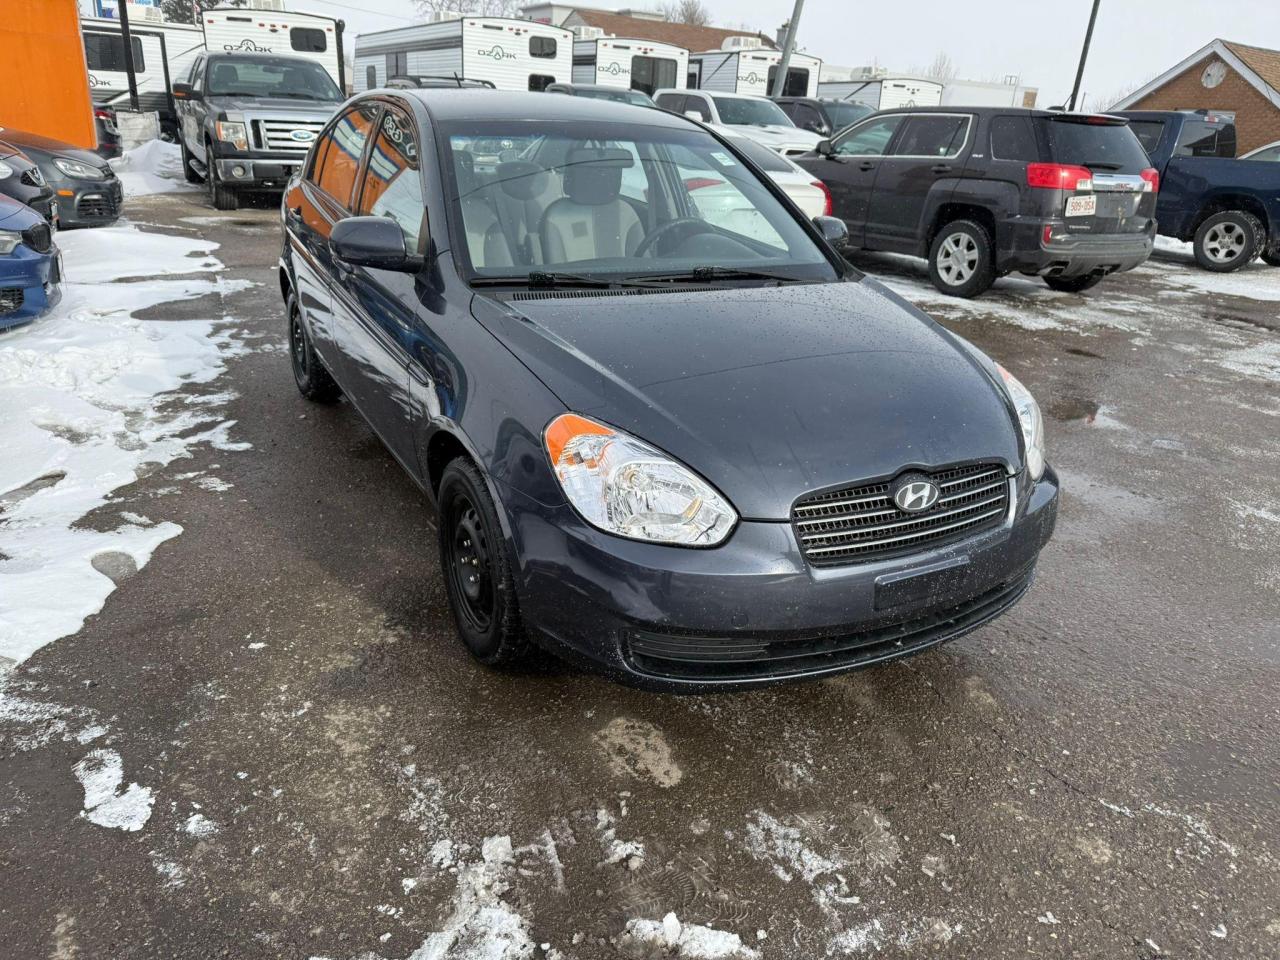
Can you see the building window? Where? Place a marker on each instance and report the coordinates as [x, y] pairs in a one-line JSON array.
[[544, 47], [308, 40]]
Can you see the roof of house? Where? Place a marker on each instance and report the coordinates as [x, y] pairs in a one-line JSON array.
[[692, 38], [1259, 66]]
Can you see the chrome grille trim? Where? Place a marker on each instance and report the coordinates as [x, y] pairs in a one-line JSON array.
[[278, 134], [857, 524]]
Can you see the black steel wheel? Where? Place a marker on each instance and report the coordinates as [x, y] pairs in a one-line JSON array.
[[313, 380]]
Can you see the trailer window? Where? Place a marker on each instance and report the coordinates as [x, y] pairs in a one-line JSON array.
[[397, 64], [339, 151], [371, 78], [544, 47], [106, 53], [540, 81], [797, 84], [652, 73], [308, 40]]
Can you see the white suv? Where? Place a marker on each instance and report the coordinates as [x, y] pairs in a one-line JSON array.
[[756, 117]]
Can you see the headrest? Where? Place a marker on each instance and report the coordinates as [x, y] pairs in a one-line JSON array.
[[594, 176], [522, 180]]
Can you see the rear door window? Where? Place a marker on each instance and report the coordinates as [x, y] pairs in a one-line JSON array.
[[1148, 133], [1202, 138], [1102, 146], [1014, 138], [932, 135]]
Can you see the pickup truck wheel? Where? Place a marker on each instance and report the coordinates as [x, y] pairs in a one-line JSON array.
[[313, 380], [187, 170], [219, 196], [1073, 284], [961, 259], [1226, 241]]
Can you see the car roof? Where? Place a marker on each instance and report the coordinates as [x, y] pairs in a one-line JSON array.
[[462, 105]]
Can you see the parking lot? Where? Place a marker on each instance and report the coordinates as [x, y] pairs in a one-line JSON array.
[[269, 743]]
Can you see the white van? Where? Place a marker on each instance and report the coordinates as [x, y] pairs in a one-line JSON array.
[[753, 71], [309, 35], [643, 65], [510, 54]]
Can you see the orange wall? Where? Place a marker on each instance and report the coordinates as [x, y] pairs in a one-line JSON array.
[[44, 85]]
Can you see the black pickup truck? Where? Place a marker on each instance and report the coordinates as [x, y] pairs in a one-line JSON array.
[[1228, 209]]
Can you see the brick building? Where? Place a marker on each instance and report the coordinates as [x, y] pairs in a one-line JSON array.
[[1221, 76]]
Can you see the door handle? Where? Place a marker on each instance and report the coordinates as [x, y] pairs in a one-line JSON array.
[[866, 165], [941, 168]]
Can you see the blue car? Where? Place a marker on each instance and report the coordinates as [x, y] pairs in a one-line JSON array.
[[30, 274]]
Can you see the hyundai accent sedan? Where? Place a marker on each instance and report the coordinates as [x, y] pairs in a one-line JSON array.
[[687, 449]]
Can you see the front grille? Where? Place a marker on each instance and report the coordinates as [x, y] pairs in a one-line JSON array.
[[856, 524], [278, 134], [11, 299], [39, 238], [96, 206], [33, 178], [742, 658]]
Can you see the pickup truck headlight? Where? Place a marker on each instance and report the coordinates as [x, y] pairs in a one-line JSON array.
[[232, 132], [1029, 419], [6, 171], [9, 241], [74, 168], [625, 487]]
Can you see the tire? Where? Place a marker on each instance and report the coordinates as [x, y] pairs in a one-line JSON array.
[[219, 196], [312, 379], [1073, 284], [962, 259], [477, 570], [1226, 241], [187, 171]]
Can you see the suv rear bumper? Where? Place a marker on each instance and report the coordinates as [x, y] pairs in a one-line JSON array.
[[1071, 255]]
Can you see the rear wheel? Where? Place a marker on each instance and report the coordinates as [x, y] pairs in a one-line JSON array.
[[476, 571], [187, 170], [219, 195], [1073, 284], [1227, 241], [313, 380], [961, 259]]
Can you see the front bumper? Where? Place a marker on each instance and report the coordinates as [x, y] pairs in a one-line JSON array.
[[246, 173], [88, 203], [1070, 255], [752, 611], [30, 283]]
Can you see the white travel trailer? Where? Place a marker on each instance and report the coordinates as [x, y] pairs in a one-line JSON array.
[[972, 93], [308, 35], [885, 93], [162, 54], [753, 71], [510, 54], [643, 65]]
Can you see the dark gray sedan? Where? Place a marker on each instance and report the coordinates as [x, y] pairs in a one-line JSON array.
[[669, 432], [85, 188]]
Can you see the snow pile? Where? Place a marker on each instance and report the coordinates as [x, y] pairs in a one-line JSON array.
[[101, 773], [668, 937], [154, 167], [85, 394]]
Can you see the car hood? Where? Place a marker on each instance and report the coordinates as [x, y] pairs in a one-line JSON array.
[[769, 393], [775, 135], [303, 109], [34, 143], [15, 215]]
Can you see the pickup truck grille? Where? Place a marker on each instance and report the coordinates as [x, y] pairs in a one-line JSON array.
[[277, 135], [863, 523]]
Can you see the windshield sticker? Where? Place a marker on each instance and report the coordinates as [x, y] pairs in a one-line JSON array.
[[723, 158]]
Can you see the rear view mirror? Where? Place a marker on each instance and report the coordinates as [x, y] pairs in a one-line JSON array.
[[376, 242], [832, 229], [825, 148]]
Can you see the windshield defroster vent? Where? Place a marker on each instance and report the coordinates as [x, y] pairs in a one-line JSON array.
[[600, 292]]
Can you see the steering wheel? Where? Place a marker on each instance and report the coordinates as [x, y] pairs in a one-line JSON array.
[[690, 226]]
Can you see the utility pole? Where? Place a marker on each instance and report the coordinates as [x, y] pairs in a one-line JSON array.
[[779, 83], [1084, 55], [129, 68]]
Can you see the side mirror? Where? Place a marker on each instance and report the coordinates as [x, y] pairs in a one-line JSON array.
[[825, 148], [376, 242], [832, 229], [693, 114], [184, 91]]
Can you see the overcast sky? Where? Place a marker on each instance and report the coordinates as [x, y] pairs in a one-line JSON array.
[[986, 39]]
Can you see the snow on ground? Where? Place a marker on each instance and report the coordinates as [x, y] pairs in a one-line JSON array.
[[101, 773], [154, 167], [85, 392], [669, 937]]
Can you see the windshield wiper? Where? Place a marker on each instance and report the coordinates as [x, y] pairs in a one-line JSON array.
[[547, 280], [707, 274]]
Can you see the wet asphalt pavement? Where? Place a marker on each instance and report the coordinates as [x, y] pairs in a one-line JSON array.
[[1096, 774]]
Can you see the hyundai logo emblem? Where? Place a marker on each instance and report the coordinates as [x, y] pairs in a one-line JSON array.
[[303, 136], [914, 493]]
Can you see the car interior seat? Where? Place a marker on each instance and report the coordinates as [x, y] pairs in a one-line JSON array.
[[592, 220]]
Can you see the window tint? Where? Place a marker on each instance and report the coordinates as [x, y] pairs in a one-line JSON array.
[[540, 81], [336, 167], [1106, 147], [750, 111], [1014, 138], [102, 52], [542, 47], [308, 40], [1148, 133], [808, 118], [392, 186], [1200, 138], [698, 106], [797, 84], [652, 73], [371, 77], [932, 136], [869, 139]]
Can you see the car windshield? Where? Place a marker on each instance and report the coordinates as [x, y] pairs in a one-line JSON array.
[[741, 110], [271, 77], [616, 201], [843, 113], [621, 96]]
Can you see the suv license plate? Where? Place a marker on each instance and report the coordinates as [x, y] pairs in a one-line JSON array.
[[1082, 206]]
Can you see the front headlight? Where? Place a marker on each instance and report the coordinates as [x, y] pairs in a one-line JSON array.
[[6, 171], [1030, 420], [626, 487], [74, 168], [9, 241], [233, 132]]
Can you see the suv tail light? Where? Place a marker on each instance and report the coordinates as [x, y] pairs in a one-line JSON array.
[[827, 206], [1059, 176], [1152, 176]]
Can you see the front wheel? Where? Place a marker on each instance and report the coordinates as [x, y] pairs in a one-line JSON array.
[[219, 195], [1226, 241], [1073, 284], [962, 259], [476, 571]]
